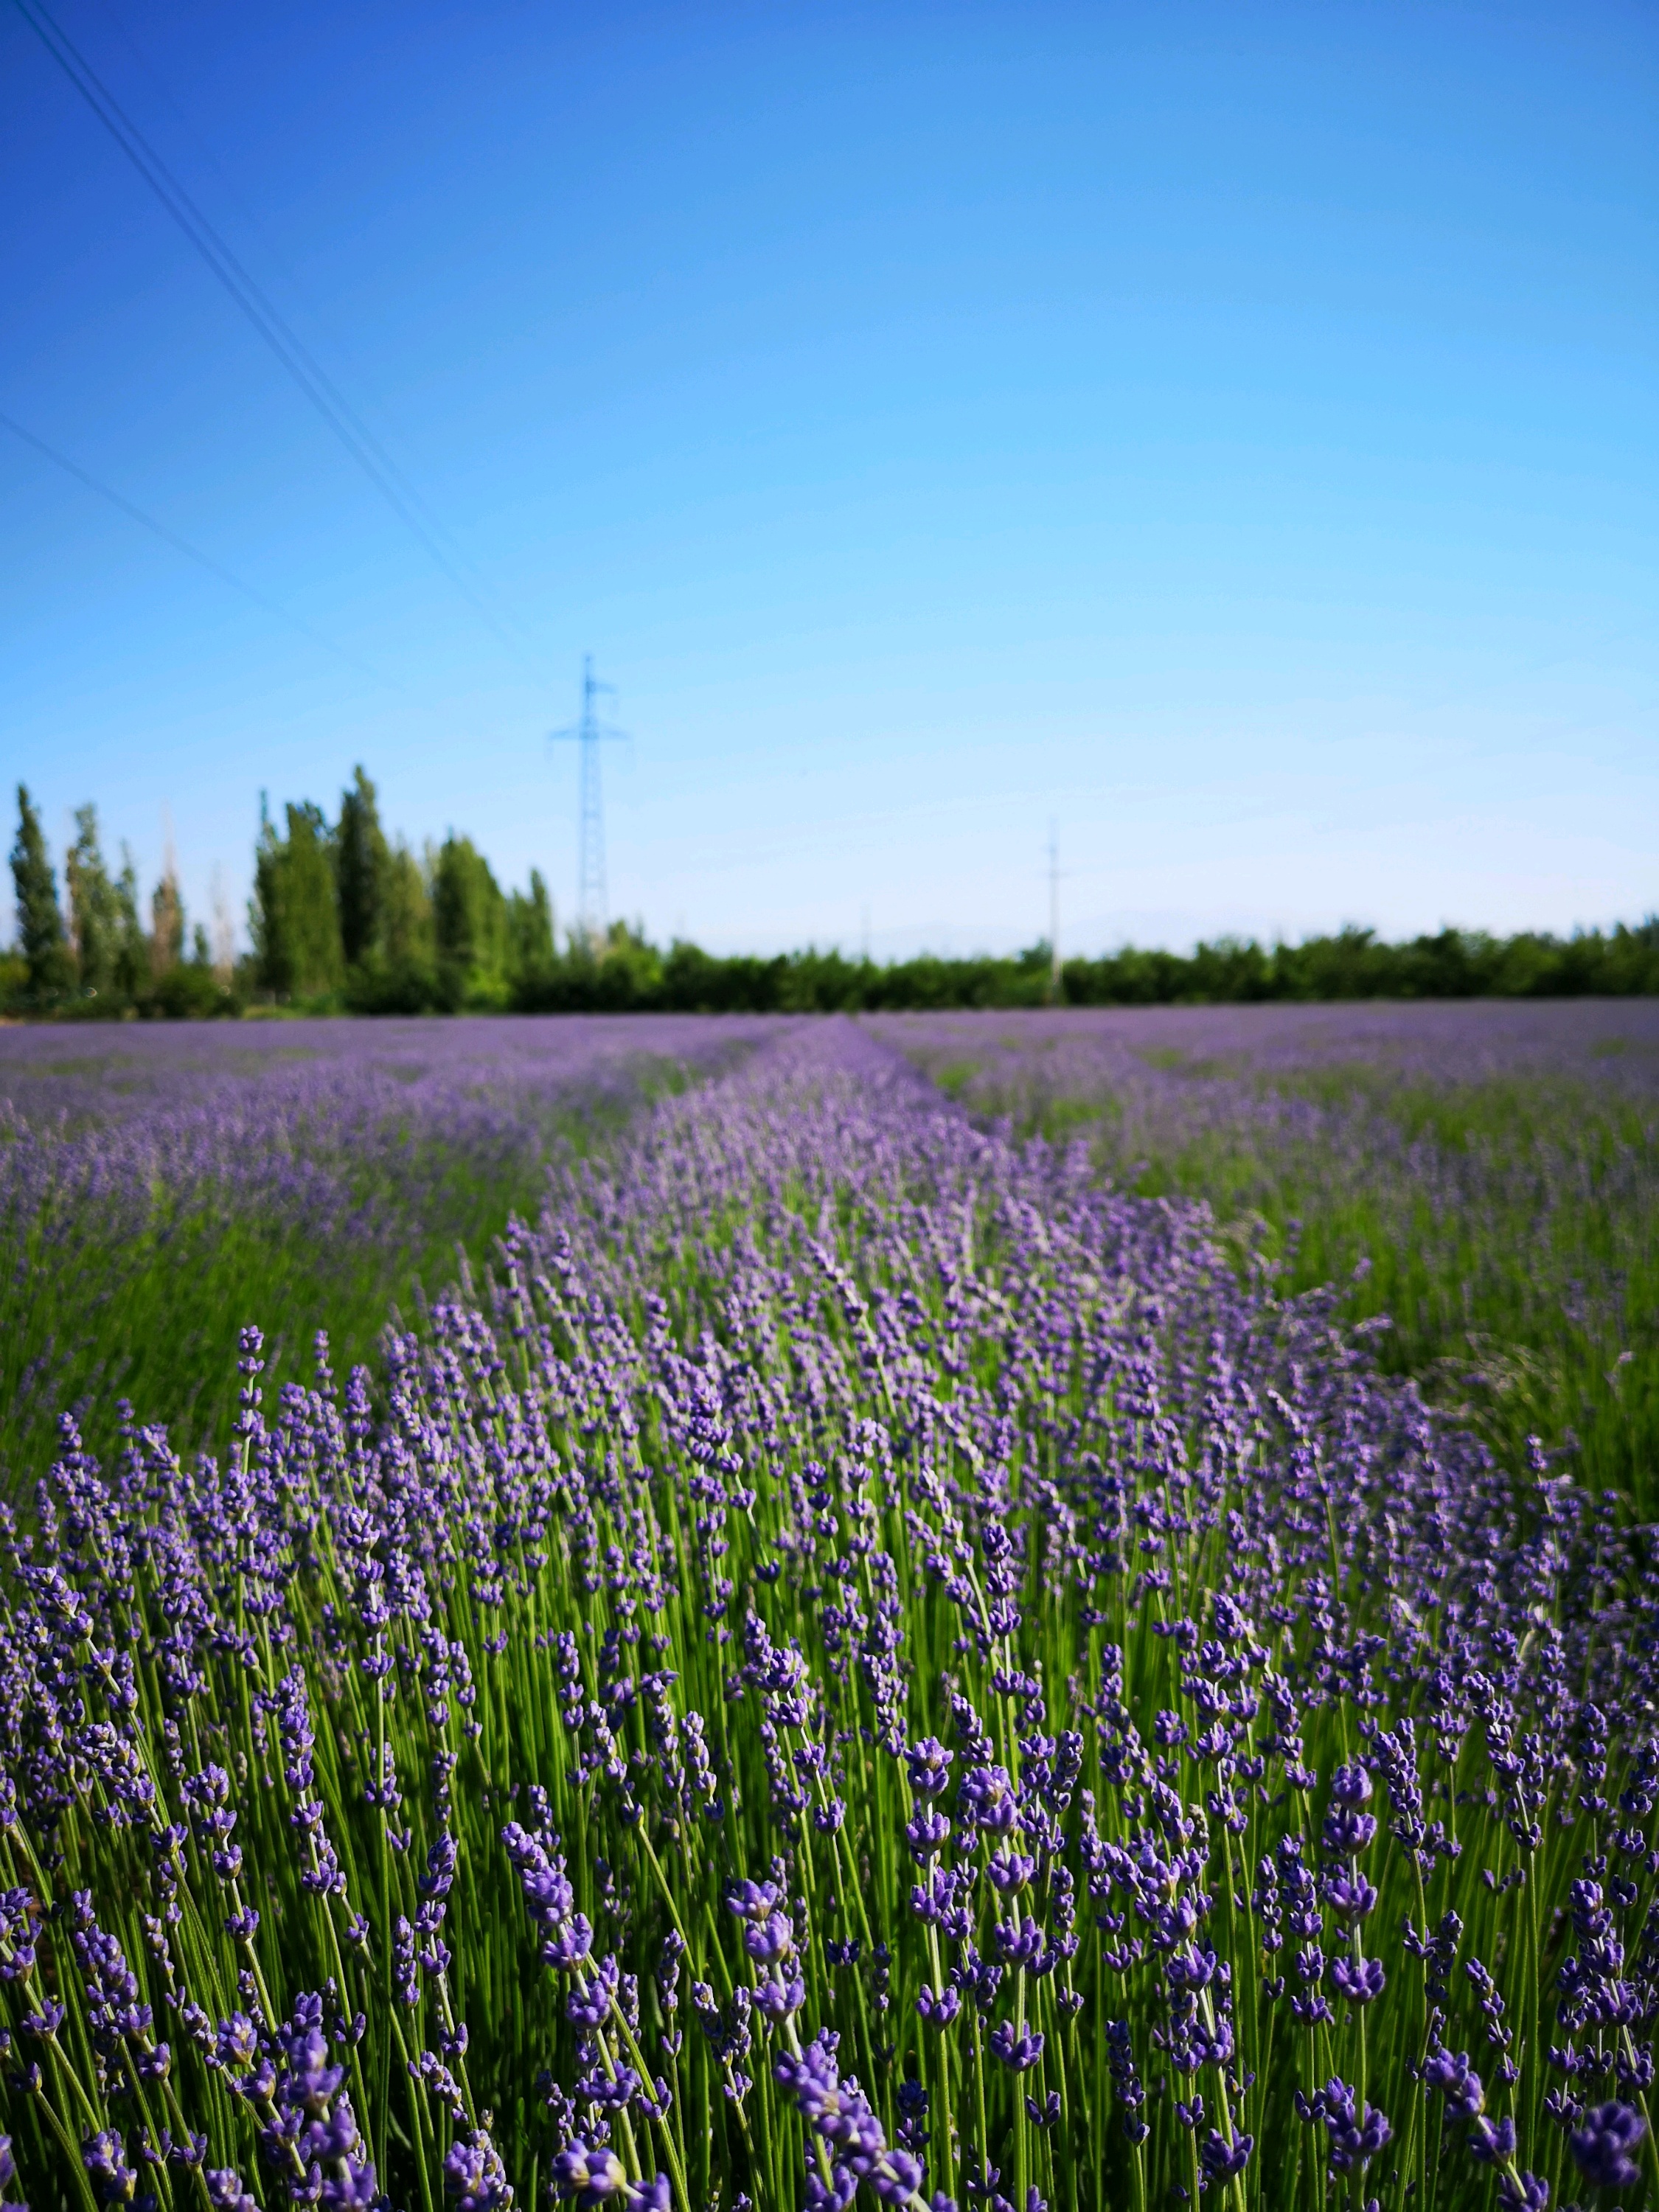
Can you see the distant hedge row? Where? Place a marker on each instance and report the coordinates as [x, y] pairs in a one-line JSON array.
[[1352, 964], [629, 975]]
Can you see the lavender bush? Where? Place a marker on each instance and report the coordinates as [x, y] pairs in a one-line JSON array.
[[863, 1665]]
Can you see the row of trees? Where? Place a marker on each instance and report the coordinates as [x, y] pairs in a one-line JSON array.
[[102, 956], [342, 916], [1352, 964], [341, 911]]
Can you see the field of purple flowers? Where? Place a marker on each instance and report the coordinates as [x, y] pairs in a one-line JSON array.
[[1485, 1176], [858, 1662], [161, 1183]]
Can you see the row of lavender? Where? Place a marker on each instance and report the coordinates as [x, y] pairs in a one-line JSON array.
[[319, 1121], [866, 1664], [1493, 1170]]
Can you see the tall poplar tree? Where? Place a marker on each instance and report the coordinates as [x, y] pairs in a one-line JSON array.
[[410, 947], [530, 929], [166, 924], [469, 916], [362, 864], [294, 915], [94, 908], [132, 946], [40, 937]]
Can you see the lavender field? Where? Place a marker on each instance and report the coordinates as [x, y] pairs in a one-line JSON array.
[[875, 1646]]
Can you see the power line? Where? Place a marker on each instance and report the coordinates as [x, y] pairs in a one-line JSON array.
[[358, 441], [182, 545]]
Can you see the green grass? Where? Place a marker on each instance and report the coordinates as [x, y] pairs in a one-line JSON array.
[[1175, 1059], [954, 1079]]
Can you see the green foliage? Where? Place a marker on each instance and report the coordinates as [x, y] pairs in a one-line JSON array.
[[1351, 965], [363, 862], [90, 1312], [95, 916], [470, 924], [191, 992], [399, 976], [157, 1319], [166, 925], [294, 917], [529, 929], [49, 963], [1454, 964], [106, 963], [131, 952], [408, 923]]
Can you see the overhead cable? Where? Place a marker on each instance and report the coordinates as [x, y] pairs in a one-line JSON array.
[[189, 552], [358, 441]]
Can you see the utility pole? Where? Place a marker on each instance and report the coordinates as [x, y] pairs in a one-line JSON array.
[[1053, 909], [589, 734]]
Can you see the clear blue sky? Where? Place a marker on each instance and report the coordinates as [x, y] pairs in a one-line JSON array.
[[1228, 431]]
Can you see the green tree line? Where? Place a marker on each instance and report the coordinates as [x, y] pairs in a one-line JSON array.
[[345, 918], [103, 957], [341, 912], [342, 918]]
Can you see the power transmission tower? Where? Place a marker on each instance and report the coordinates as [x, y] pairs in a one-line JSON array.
[[589, 734]]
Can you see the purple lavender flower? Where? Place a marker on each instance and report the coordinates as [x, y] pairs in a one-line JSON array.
[[1223, 2160], [595, 2175], [1355, 2135], [769, 1940], [929, 1765], [1601, 2147], [987, 1799], [474, 2176], [927, 1834], [1359, 1980], [1492, 2142], [753, 1900], [1018, 2048], [1522, 2192], [628, 1487], [778, 1999], [103, 2155], [1352, 1896], [1457, 2081]]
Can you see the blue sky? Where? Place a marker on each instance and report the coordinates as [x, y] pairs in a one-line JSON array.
[[1230, 434]]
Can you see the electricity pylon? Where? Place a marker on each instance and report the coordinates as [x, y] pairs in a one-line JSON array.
[[590, 733]]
